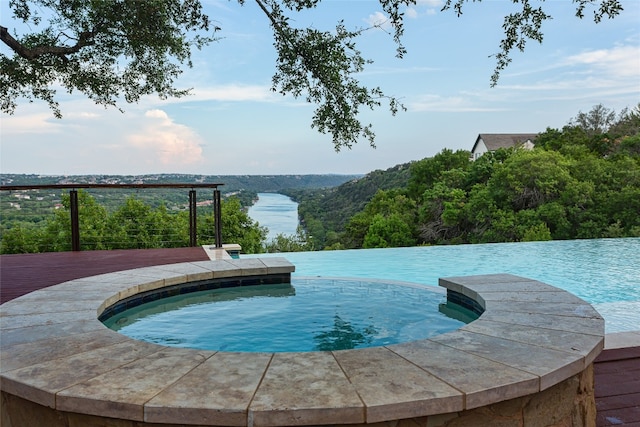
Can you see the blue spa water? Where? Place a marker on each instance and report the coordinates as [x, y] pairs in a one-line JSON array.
[[603, 272], [308, 315]]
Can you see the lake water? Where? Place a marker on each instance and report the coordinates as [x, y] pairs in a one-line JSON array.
[[277, 212]]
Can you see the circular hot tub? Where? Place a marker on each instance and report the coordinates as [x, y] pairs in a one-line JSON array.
[[528, 356]]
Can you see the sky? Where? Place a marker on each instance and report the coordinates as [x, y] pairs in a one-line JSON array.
[[233, 124]]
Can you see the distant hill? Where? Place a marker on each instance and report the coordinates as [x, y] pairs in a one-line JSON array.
[[328, 210], [232, 183], [39, 203]]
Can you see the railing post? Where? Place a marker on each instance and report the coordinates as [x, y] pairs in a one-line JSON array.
[[217, 217], [75, 221], [193, 225]]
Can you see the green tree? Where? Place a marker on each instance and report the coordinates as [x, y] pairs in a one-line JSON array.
[[133, 226], [114, 49], [299, 242], [528, 179], [595, 122], [425, 173], [388, 220], [388, 232], [92, 219], [22, 238]]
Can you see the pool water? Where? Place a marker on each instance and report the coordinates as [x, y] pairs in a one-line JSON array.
[[603, 272], [308, 315]]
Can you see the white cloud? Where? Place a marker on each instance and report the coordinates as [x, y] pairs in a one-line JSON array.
[[430, 3], [223, 93], [378, 19], [165, 143], [620, 61], [41, 122], [233, 92], [453, 104], [430, 7], [411, 13]]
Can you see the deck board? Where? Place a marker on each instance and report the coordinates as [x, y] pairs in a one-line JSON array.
[[617, 371], [617, 382], [24, 273]]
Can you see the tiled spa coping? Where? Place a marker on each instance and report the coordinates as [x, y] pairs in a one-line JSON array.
[[56, 353]]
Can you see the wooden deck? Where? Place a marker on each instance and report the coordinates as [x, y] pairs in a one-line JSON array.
[[24, 273], [617, 371], [617, 380]]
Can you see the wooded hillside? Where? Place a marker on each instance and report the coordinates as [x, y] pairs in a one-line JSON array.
[[582, 181]]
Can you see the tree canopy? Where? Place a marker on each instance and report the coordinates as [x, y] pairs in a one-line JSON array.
[[114, 50]]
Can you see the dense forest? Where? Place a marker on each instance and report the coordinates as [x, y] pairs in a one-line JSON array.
[[582, 181]]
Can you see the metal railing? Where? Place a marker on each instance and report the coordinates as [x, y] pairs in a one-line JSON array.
[[74, 206]]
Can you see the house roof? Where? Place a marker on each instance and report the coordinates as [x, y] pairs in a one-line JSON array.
[[493, 141]]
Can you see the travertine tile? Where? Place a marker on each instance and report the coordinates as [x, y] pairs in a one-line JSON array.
[[459, 282], [482, 381], [54, 347], [550, 365], [122, 392], [40, 382], [392, 388], [579, 325], [531, 297], [191, 270], [318, 393], [487, 278], [153, 274], [574, 309], [40, 319], [249, 266], [12, 337], [218, 392], [583, 345], [221, 268], [50, 306], [277, 265], [61, 293], [512, 286]]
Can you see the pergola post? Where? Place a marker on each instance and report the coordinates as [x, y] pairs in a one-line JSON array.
[[75, 221], [217, 217], [193, 224]]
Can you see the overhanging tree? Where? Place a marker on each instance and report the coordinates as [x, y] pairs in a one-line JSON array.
[[113, 50]]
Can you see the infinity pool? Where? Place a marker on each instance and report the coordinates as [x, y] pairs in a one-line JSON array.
[[603, 272]]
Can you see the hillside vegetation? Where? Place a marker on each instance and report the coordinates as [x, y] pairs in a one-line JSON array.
[[579, 182], [324, 212]]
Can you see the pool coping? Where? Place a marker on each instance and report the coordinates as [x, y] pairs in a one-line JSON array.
[[56, 353]]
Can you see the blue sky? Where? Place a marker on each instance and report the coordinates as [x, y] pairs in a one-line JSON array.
[[233, 124]]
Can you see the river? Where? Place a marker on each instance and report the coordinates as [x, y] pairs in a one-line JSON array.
[[277, 212]]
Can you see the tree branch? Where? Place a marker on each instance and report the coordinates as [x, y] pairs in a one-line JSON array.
[[85, 39]]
